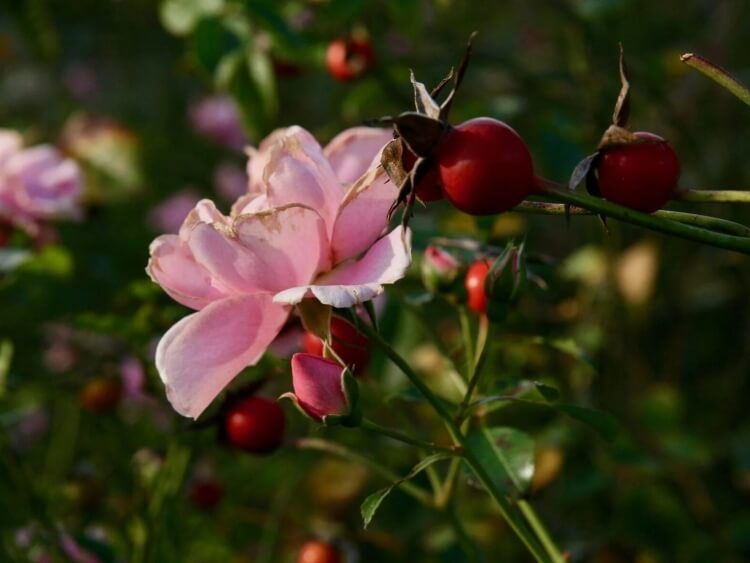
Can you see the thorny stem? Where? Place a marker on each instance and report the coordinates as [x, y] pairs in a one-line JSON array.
[[396, 435], [554, 191], [475, 372], [714, 196], [711, 223], [718, 75]]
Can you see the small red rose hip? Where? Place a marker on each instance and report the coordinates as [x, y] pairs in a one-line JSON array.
[[484, 167], [476, 298], [101, 394], [206, 494], [347, 59], [350, 345], [316, 551], [254, 424], [641, 177]]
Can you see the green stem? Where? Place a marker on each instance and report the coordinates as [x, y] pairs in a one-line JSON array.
[[464, 540], [714, 196], [468, 340], [541, 532], [475, 373], [711, 223], [321, 445], [717, 74], [396, 435], [595, 204], [505, 507]]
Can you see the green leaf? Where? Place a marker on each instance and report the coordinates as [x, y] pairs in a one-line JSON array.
[[316, 317], [506, 455], [180, 17], [6, 356], [371, 504], [261, 73], [210, 42], [51, 261], [604, 423], [550, 393]]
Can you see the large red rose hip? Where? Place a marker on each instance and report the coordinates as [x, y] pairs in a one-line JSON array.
[[254, 424], [484, 167], [641, 176]]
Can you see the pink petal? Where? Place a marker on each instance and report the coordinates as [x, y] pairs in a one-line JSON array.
[[268, 251], [352, 151], [203, 352], [258, 159], [174, 268], [363, 216], [297, 172], [354, 282], [290, 241], [317, 386]]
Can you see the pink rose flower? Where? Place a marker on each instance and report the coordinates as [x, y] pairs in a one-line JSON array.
[[37, 183], [302, 232]]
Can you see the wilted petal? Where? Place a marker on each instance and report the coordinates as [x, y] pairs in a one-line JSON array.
[[297, 172], [174, 268], [352, 151], [203, 352], [363, 216], [387, 261], [317, 386]]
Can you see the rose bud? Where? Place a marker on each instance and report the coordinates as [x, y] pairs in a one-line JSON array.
[[348, 344], [440, 269], [324, 391], [506, 280]]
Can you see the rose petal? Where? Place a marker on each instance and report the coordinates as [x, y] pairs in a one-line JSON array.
[[297, 172], [317, 386], [352, 151], [387, 261], [174, 268], [203, 352], [363, 216]]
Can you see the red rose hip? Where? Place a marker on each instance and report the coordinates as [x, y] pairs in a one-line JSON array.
[[206, 494], [484, 167], [476, 298], [350, 345], [316, 551], [642, 176], [347, 59], [428, 188], [254, 424]]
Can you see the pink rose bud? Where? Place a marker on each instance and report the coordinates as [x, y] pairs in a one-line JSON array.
[[324, 391], [169, 215], [440, 269]]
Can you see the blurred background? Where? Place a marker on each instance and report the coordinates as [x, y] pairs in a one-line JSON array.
[[156, 102]]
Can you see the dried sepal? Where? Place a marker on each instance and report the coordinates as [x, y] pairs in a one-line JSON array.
[[458, 77], [622, 106], [423, 101]]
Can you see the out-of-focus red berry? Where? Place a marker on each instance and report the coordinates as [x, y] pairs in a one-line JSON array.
[[254, 424], [476, 297]]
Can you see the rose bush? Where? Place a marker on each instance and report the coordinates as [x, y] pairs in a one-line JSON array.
[[304, 230]]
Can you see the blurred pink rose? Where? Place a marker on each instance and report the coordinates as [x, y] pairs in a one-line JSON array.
[[230, 181], [302, 232], [218, 119], [170, 213], [37, 183]]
